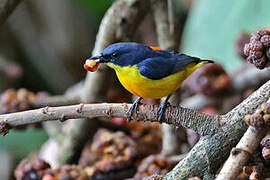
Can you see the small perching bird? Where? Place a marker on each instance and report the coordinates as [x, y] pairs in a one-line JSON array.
[[145, 71]]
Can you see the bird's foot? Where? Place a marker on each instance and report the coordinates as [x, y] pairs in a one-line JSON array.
[[162, 108], [133, 108]]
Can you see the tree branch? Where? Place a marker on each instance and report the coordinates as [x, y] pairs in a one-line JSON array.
[[243, 151], [240, 155], [211, 151], [6, 8], [199, 122]]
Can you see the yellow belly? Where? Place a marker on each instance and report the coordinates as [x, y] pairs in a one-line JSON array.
[[139, 85]]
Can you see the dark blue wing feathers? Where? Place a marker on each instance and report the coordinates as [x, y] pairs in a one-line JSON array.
[[155, 68], [162, 66]]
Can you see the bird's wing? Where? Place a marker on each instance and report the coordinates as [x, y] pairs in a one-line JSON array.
[[159, 67]]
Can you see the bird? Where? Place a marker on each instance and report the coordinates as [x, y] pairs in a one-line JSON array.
[[147, 71]]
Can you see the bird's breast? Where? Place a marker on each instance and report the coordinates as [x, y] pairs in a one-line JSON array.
[[137, 84]]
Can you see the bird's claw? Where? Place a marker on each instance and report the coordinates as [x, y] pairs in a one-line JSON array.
[[133, 108], [160, 112], [131, 111], [162, 108]]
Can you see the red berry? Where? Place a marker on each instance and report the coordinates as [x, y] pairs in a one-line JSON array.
[[91, 65]]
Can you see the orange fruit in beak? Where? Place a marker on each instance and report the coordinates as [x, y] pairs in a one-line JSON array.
[[91, 65]]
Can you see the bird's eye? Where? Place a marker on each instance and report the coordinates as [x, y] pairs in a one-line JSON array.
[[114, 55], [106, 56]]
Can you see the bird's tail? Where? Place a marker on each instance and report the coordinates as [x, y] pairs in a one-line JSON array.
[[206, 61], [202, 61]]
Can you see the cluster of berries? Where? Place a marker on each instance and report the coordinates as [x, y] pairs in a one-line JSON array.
[[13, 100], [154, 164], [260, 118], [258, 48], [110, 155]]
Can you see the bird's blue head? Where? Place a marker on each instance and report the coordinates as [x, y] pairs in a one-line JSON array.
[[124, 54]]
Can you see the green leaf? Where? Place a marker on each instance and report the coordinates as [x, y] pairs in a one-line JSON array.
[[213, 26]]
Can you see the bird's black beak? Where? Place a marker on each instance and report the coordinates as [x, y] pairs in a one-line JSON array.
[[98, 58]]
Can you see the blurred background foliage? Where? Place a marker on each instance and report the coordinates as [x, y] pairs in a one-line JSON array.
[[21, 143], [213, 26], [48, 42], [95, 8]]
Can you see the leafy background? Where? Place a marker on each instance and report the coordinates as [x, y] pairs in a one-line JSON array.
[[213, 26]]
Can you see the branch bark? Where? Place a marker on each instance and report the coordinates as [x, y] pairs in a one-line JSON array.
[[240, 155], [6, 8], [199, 122], [242, 152], [211, 151]]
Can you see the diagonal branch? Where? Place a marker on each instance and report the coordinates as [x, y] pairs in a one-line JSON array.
[[211, 151], [241, 154]]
